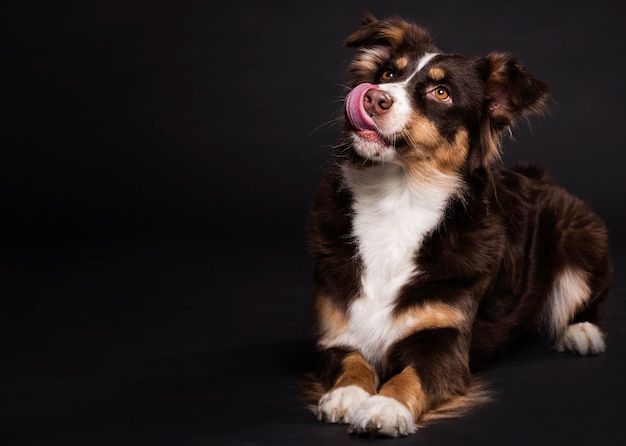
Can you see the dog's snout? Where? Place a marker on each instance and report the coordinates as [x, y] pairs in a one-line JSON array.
[[377, 102]]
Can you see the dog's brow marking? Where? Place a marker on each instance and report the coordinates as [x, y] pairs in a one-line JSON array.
[[436, 73], [402, 62]]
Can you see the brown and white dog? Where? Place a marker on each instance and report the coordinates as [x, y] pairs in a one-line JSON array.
[[430, 256]]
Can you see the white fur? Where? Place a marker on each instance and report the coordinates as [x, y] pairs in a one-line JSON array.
[[375, 55], [583, 338], [570, 291], [372, 149], [398, 115], [383, 416], [422, 63], [339, 405], [392, 215]]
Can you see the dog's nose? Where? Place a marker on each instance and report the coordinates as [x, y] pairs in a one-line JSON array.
[[377, 102]]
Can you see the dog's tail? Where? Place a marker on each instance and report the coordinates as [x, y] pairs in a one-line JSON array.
[[310, 390], [476, 395]]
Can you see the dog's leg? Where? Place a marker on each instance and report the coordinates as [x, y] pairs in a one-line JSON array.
[[570, 294], [575, 246], [352, 381], [394, 410], [433, 368]]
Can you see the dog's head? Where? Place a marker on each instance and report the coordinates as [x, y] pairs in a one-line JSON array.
[[412, 104]]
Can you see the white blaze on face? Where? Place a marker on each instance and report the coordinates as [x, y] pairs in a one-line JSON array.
[[422, 63]]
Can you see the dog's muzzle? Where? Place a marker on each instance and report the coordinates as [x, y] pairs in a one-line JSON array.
[[364, 102]]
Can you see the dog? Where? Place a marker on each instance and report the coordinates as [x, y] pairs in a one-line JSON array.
[[430, 257]]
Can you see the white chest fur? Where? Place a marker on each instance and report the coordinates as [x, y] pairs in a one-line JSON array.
[[391, 217]]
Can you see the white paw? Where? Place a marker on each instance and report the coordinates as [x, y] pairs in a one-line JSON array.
[[380, 415], [339, 405], [583, 338]]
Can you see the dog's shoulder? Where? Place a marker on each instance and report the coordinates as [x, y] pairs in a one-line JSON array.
[[533, 172], [330, 197], [521, 183], [329, 218]]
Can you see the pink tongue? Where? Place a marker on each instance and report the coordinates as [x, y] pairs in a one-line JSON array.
[[354, 107]]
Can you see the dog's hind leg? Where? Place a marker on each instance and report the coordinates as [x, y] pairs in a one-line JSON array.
[[583, 338], [571, 313]]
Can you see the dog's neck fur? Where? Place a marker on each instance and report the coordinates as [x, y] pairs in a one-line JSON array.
[[392, 213]]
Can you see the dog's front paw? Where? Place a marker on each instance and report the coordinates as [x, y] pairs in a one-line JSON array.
[[381, 415], [339, 405]]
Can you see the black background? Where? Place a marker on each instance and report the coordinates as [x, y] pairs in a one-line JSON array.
[[158, 160]]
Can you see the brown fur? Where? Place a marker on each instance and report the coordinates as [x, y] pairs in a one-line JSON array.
[[356, 371]]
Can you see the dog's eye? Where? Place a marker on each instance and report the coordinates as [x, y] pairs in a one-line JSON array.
[[440, 93], [387, 75]]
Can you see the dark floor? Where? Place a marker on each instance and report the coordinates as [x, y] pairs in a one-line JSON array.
[[159, 162], [157, 344]]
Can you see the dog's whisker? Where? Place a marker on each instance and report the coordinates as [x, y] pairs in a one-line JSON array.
[[329, 123]]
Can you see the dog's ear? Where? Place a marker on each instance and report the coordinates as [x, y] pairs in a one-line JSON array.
[[511, 90], [391, 32], [364, 33]]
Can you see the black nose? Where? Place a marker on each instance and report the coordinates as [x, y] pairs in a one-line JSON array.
[[377, 102]]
